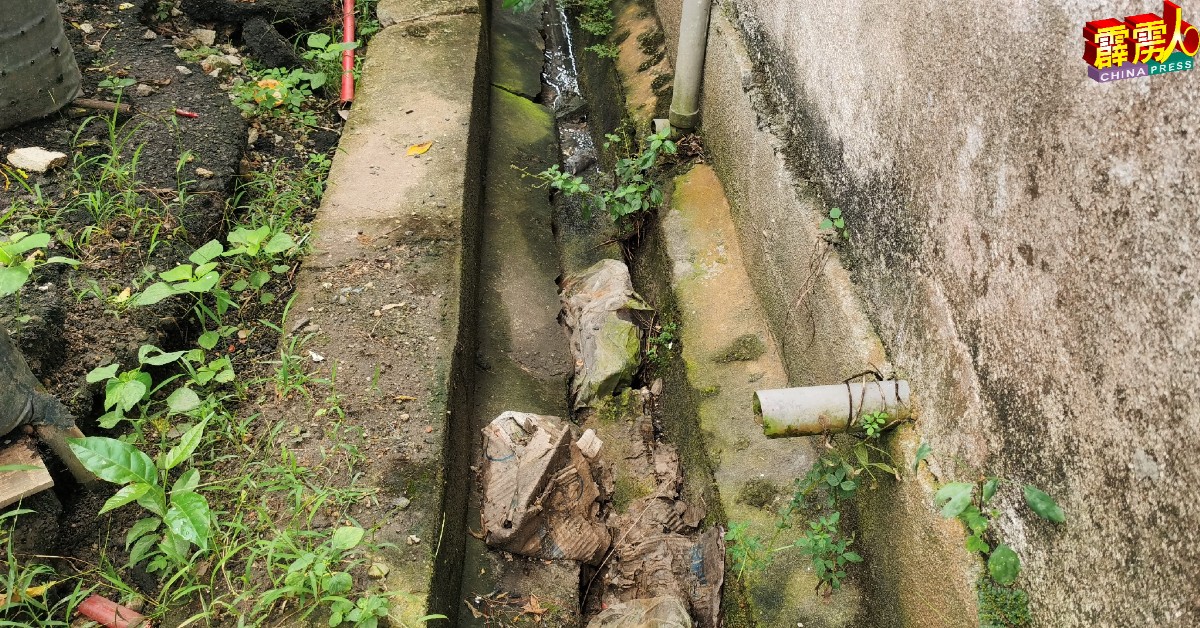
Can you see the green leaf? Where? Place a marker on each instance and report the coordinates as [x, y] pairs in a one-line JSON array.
[[131, 393], [239, 285], [989, 490], [109, 420], [266, 298], [187, 444], [974, 519], [158, 359], [140, 529], [259, 278], [835, 213], [852, 557], [826, 224], [58, 259], [101, 373], [188, 481], [128, 494], [202, 284], [976, 544], [317, 40], [208, 340], [337, 583], [141, 549], [114, 461], [317, 79], [182, 272], [954, 498], [206, 253], [1004, 565], [12, 278], [20, 245], [279, 243], [1043, 504], [279, 269], [183, 400], [346, 538], [153, 294], [190, 518]]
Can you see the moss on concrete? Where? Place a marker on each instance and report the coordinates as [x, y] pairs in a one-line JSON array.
[[743, 349]]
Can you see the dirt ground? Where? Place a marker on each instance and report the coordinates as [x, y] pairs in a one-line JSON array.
[[185, 135]]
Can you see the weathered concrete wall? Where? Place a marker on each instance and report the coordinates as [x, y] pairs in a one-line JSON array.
[[1024, 243]]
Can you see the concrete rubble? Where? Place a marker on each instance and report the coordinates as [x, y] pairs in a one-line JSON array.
[[598, 306], [36, 159]]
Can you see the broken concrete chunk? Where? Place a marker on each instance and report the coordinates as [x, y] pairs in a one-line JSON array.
[[205, 36], [36, 159], [659, 612], [598, 305], [540, 495]]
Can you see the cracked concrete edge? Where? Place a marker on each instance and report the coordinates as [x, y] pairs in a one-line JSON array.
[[371, 193], [394, 12]]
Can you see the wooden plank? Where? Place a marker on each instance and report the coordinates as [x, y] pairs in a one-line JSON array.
[[56, 438], [17, 485]]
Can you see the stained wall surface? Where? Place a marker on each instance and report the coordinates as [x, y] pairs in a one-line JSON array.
[[1024, 244]]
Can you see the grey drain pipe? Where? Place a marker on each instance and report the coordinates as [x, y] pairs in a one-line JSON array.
[[829, 409], [689, 64]]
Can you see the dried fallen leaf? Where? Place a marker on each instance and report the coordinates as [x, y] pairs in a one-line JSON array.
[[404, 398], [125, 6], [31, 592], [419, 149], [124, 295], [533, 607]]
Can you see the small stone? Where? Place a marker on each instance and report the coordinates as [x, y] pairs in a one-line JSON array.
[[377, 571], [36, 159], [205, 36], [413, 539], [377, 313], [149, 35], [215, 63], [182, 69], [205, 173], [402, 503], [87, 29], [316, 357], [143, 90], [252, 136]]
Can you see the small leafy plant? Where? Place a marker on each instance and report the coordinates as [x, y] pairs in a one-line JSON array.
[[837, 223], [828, 551], [116, 84], [325, 56], [20, 254], [126, 390], [658, 346], [632, 190], [970, 504], [182, 508], [276, 92]]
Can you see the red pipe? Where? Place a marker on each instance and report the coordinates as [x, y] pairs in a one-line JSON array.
[[348, 54], [109, 613]]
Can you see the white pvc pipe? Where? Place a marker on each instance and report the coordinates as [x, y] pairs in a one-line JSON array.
[[689, 64], [828, 409]]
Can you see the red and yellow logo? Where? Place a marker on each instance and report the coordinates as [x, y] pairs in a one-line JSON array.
[[1142, 45]]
